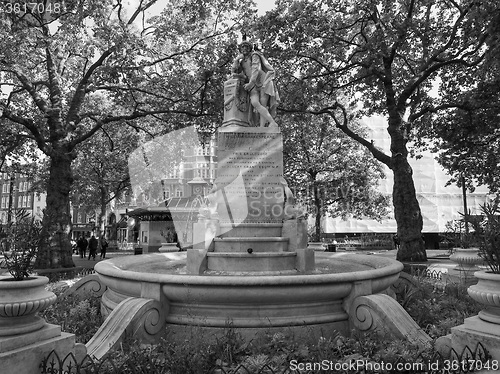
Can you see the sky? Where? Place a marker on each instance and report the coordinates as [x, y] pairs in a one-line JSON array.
[[264, 5]]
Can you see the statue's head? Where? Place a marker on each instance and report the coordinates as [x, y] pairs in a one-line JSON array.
[[245, 46]]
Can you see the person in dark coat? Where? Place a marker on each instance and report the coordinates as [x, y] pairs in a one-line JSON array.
[[93, 244], [104, 247], [82, 244], [397, 242]]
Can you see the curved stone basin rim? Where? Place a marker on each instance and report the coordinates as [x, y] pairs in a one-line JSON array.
[[250, 302], [123, 267]]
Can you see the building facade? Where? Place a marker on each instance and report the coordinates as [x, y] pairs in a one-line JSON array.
[[16, 193], [82, 222], [178, 194]]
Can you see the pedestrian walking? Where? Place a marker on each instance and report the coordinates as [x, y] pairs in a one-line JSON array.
[[396, 240], [104, 247], [82, 244], [93, 244]]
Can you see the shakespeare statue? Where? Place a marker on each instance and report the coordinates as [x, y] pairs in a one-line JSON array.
[[252, 83]]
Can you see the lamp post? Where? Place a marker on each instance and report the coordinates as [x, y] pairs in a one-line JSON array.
[[464, 196]]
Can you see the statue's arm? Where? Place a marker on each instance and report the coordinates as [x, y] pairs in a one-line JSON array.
[[236, 68], [256, 68]]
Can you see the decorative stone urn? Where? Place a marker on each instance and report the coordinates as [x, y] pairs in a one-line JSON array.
[[316, 246], [20, 301], [168, 247], [467, 259], [487, 292]]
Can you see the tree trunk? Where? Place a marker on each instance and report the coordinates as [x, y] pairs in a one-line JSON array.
[[55, 248], [407, 214], [404, 197], [317, 219]]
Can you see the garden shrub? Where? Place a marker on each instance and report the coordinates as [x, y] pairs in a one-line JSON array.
[[76, 314], [437, 309]]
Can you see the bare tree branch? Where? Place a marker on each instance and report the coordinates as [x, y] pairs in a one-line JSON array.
[[343, 126], [30, 126]]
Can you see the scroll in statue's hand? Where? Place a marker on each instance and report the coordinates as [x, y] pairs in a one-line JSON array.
[[249, 86]]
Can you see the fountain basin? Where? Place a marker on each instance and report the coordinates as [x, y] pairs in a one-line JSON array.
[[249, 301]]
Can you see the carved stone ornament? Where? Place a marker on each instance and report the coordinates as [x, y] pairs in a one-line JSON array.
[[20, 301], [487, 293]]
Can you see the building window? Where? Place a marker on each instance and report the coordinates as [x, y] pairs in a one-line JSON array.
[[5, 188], [79, 218], [166, 194], [28, 201], [178, 192], [173, 172], [203, 151]]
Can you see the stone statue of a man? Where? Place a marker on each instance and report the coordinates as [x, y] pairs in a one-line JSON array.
[[259, 75]]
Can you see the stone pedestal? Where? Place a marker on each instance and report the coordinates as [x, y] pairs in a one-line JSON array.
[[474, 331], [483, 328], [25, 337], [236, 102], [250, 184], [22, 354], [253, 227]]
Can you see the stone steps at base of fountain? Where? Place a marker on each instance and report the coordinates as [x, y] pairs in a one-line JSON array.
[[252, 273], [251, 262], [246, 229], [256, 244]]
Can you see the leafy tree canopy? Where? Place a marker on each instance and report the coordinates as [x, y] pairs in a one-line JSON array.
[[467, 136], [384, 56], [329, 172], [96, 64]]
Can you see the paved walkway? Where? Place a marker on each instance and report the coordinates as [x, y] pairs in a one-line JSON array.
[[436, 258], [89, 264]]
